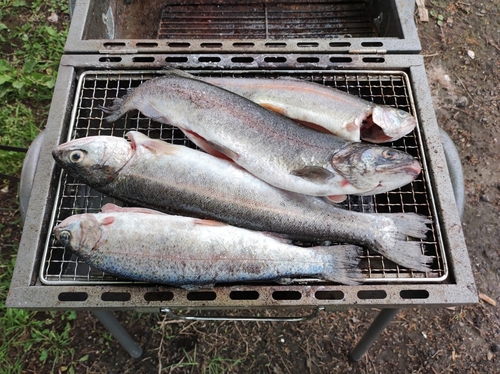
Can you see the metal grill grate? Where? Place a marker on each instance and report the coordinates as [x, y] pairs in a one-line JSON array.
[[266, 20], [96, 89]]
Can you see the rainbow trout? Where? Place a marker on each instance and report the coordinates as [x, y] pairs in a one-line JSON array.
[[271, 146], [180, 180], [188, 252], [323, 108]]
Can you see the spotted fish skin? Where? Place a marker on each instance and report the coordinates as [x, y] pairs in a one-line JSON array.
[[179, 180], [270, 146], [324, 108], [182, 251]]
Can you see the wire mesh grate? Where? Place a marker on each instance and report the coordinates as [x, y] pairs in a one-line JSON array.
[[97, 89]]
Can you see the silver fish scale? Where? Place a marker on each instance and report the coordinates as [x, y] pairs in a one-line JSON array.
[[98, 89]]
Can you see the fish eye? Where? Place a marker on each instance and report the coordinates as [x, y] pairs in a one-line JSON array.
[[402, 113], [76, 156], [390, 154], [65, 237]]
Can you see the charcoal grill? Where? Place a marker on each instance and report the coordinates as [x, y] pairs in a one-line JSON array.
[[47, 276]]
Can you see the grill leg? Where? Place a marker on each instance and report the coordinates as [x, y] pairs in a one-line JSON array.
[[118, 331], [378, 325]]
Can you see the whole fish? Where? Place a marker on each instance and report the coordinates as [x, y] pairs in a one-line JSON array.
[[182, 251], [323, 108], [180, 180], [269, 145]]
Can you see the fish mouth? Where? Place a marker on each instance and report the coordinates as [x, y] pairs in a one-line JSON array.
[[373, 133], [414, 170]]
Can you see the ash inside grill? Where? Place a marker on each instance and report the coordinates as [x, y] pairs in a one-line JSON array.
[[97, 89], [266, 20]]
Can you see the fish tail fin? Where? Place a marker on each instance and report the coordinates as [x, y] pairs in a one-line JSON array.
[[410, 224], [399, 249], [115, 111], [341, 264]]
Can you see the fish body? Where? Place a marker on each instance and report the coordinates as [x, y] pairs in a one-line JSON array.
[[189, 252], [180, 180], [323, 108], [270, 146]]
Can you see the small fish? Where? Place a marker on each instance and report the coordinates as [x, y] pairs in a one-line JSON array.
[[323, 108], [272, 147], [179, 180], [153, 247]]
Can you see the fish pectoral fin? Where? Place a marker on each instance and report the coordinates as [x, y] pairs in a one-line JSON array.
[[336, 198], [224, 150], [208, 222], [108, 221], [159, 147], [315, 174], [156, 146]]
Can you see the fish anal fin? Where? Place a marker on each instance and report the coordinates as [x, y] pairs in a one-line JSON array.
[[314, 126], [223, 150], [209, 222], [282, 111], [272, 107], [315, 174], [204, 145], [282, 238]]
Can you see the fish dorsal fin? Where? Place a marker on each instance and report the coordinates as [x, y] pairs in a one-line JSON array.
[[181, 73], [208, 222], [336, 198], [315, 174], [112, 208]]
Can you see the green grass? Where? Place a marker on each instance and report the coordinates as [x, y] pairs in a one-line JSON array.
[[31, 48]]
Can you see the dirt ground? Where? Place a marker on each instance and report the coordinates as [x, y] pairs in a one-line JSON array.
[[462, 60]]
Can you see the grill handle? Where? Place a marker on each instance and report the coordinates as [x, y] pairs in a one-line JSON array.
[[314, 314]]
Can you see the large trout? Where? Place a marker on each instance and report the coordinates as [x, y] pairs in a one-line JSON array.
[[182, 251], [180, 180], [323, 108], [271, 146]]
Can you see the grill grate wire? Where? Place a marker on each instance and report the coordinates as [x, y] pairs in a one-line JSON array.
[[96, 89]]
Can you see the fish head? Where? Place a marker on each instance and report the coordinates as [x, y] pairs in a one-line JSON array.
[[375, 169], [387, 124], [95, 160], [80, 233]]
